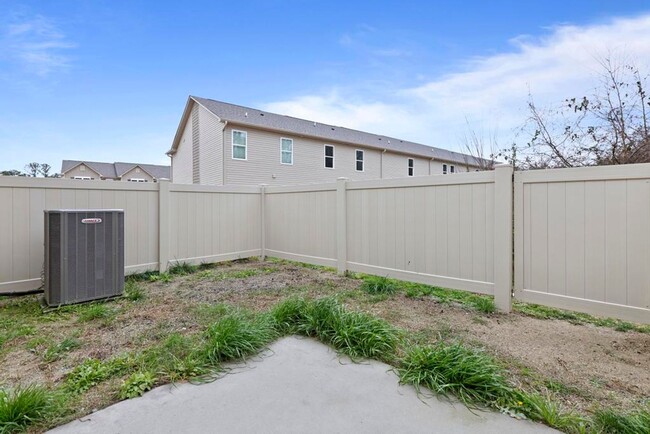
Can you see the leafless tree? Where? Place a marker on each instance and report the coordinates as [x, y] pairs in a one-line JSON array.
[[608, 127], [481, 148]]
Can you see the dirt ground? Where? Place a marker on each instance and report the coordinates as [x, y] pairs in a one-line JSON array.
[[583, 365]]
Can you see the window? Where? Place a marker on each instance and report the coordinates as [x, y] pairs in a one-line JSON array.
[[137, 180], [451, 169], [239, 141], [329, 156], [411, 162], [359, 160], [444, 169], [84, 178], [286, 151]]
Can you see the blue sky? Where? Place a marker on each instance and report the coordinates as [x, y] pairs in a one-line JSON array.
[[108, 80]]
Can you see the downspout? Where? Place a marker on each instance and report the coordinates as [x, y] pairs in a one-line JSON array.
[[223, 153], [381, 164]]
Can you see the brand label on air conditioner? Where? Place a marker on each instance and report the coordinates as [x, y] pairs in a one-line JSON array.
[[91, 221]]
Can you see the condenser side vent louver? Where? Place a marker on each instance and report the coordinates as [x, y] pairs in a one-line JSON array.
[[84, 255]]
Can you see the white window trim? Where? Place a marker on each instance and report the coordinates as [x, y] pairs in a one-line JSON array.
[[333, 157], [363, 160], [281, 151], [410, 168], [232, 147]]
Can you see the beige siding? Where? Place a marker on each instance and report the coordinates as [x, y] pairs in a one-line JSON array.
[[210, 148], [582, 238], [182, 159], [77, 171], [137, 173], [302, 223], [263, 161]]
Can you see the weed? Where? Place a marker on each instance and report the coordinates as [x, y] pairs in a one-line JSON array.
[[133, 290], [542, 409], [162, 277], [182, 269], [471, 375], [378, 285], [290, 316], [177, 358], [137, 384], [56, 351], [236, 335], [92, 372], [24, 406], [611, 422]]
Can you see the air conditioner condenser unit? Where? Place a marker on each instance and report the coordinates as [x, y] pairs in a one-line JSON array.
[[84, 255]]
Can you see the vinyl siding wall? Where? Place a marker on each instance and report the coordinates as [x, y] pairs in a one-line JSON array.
[[182, 159], [210, 148], [263, 166], [78, 172], [137, 173]]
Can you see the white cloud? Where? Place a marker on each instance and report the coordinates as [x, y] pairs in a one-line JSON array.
[[35, 44], [489, 91]]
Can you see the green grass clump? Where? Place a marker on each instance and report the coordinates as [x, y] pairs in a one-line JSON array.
[[137, 384], [612, 422], [378, 285], [356, 334], [177, 358], [55, 352], [543, 409], [95, 311], [236, 335], [483, 304], [133, 290], [25, 406], [471, 375]]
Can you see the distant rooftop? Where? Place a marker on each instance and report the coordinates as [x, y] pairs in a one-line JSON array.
[[116, 170], [249, 116]]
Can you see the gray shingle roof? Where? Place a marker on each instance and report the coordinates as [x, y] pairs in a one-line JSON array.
[[116, 170], [249, 116]]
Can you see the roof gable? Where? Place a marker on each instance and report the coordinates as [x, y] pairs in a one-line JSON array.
[[116, 170]]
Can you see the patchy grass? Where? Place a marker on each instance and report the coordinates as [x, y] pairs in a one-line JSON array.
[[95, 311], [137, 384], [22, 407], [182, 269], [279, 261], [93, 371], [133, 290], [470, 375], [55, 352], [378, 285], [544, 312]]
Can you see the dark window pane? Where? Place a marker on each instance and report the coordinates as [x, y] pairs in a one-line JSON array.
[[359, 155], [329, 162], [329, 151], [360, 166]]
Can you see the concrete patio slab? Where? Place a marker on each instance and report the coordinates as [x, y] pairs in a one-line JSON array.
[[299, 385]]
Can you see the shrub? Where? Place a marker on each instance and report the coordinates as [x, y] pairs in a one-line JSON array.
[[471, 375]]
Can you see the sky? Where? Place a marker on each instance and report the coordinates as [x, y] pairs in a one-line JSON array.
[[102, 80]]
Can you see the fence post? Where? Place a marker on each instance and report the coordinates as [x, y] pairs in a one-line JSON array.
[[163, 224], [503, 237], [263, 222], [341, 226]]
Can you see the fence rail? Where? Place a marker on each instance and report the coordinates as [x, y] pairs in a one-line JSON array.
[[581, 236]]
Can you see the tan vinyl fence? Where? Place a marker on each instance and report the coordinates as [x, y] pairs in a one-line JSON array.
[[582, 239], [164, 223], [581, 236]]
